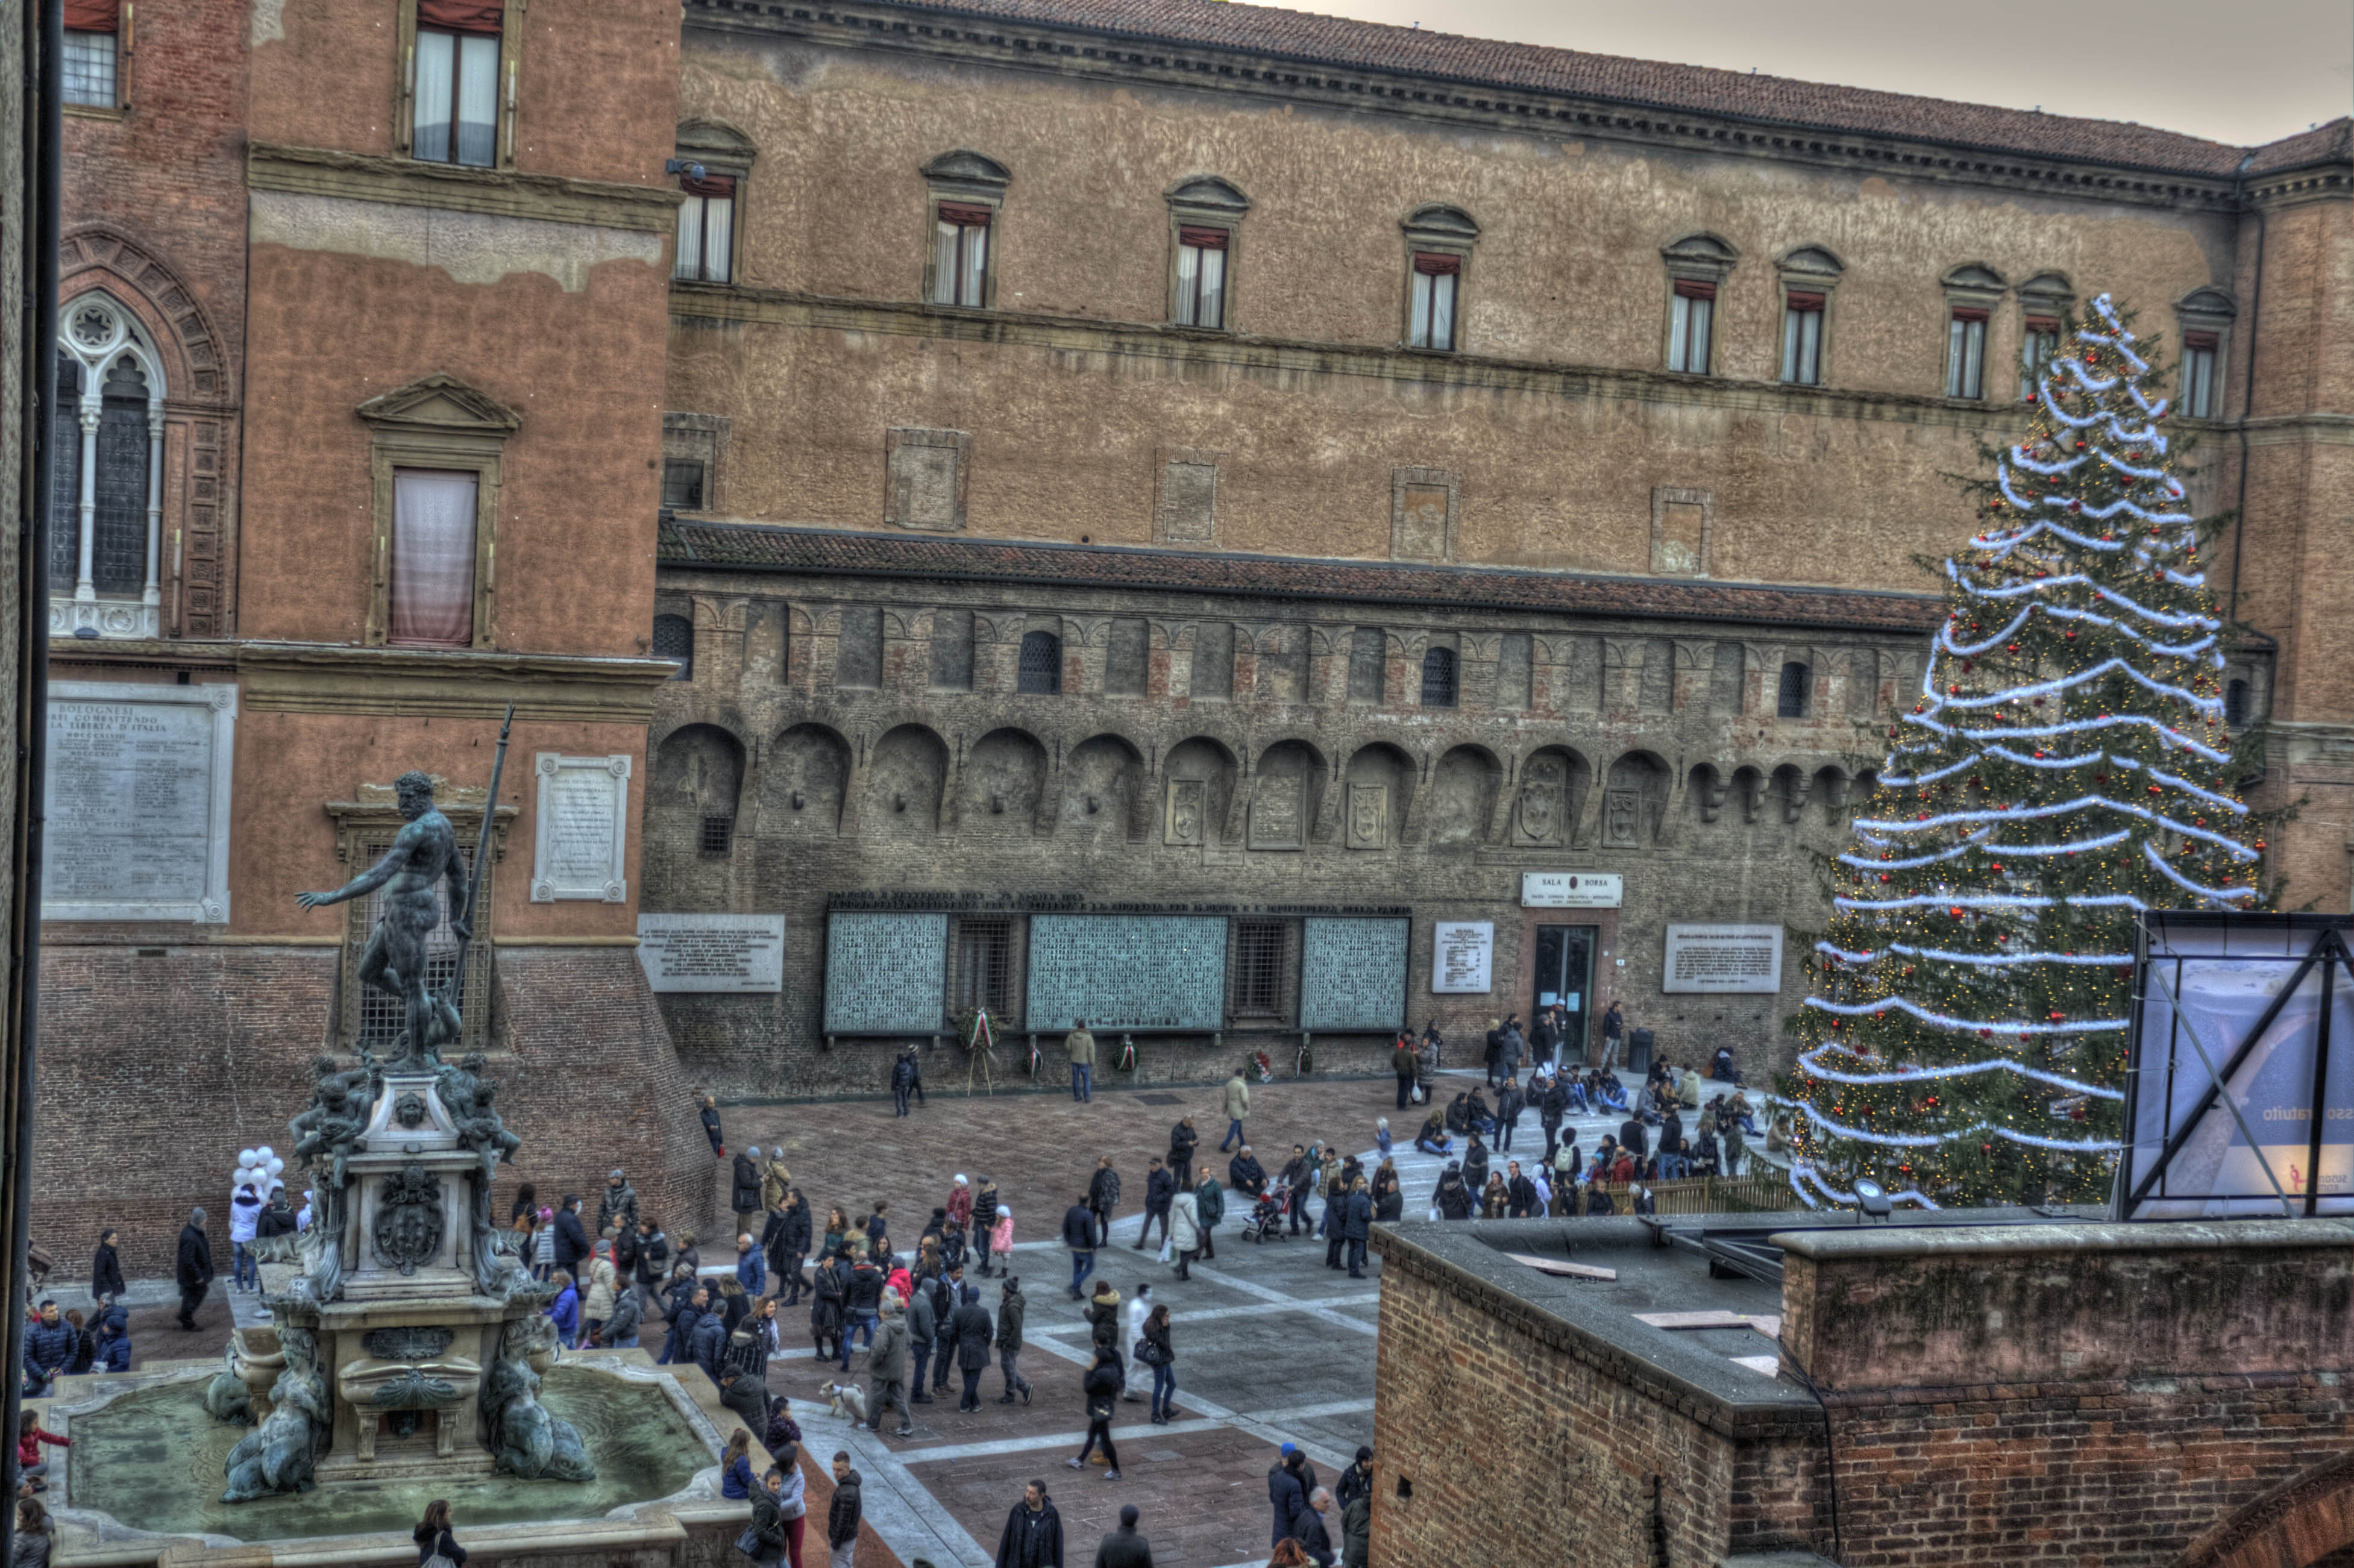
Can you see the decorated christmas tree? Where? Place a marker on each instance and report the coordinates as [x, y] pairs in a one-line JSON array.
[[2064, 766]]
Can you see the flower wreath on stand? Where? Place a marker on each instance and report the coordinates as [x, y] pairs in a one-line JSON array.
[[1037, 1057], [1126, 1061], [1265, 1068], [975, 1032]]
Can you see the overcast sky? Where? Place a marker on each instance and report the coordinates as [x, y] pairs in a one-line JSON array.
[[2242, 73]]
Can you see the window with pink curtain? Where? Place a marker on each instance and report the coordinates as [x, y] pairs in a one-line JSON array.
[[433, 557]]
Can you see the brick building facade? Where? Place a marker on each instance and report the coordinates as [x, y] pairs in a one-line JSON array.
[[394, 271], [2111, 1396], [1081, 390]]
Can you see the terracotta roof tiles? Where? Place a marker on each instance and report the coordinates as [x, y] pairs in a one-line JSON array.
[[1340, 41], [830, 552]]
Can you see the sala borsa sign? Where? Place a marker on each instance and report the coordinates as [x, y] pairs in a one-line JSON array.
[[1571, 889]]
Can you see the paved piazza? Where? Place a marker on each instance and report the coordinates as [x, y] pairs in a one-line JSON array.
[[1270, 1345]]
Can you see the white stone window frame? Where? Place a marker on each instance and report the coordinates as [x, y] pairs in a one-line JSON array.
[[1701, 259], [2208, 310], [1807, 269], [1973, 292], [212, 907], [1440, 229], [965, 178], [96, 330], [544, 889], [2047, 296], [1205, 201]]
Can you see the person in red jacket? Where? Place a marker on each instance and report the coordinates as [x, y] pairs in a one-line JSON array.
[[30, 1436]]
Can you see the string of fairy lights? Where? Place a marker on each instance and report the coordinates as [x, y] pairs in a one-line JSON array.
[[2066, 766]]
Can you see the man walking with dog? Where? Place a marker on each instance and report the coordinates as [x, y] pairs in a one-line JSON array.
[[886, 1369]]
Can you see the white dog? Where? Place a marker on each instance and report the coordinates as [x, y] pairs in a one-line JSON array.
[[847, 1401]]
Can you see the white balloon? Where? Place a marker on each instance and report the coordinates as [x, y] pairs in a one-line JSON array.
[[276, 1165], [238, 1179], [263, 1151], [246, 1156]]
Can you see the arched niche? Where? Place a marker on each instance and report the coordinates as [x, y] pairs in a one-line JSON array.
[[1004, 775], [1463, 796], [905, 775], [803, 783], [1377, 789]]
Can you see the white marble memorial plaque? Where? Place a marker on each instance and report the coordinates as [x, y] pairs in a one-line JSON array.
[[1724, 959], [1572, 890], [583, 831], [712, 952], [1463, 953], [138, 784]]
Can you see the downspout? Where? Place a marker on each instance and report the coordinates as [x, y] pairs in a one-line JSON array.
[[45, 180], [2248, 379]]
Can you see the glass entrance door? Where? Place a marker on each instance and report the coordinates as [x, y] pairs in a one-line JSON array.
[[1564, 978]]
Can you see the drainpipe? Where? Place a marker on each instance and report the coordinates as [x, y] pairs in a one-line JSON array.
[[2247, 379]]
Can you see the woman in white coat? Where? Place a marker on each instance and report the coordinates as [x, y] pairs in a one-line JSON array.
[[1185, 1231]]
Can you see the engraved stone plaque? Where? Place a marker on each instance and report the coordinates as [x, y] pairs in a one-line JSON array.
[[1369, 816], [885, 974], [712, 952], [1737, 959], [1275, 813], [1462, 956], [1189, 804], [583, 827], [1353, 975], [1126, 971], [139, 781]]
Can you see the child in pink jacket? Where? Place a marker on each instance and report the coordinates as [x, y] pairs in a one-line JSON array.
[[1000, 1235]]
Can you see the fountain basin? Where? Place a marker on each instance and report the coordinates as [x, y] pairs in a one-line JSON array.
[[142, 1479]]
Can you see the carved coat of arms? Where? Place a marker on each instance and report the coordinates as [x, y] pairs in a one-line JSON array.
[[408, 1219]]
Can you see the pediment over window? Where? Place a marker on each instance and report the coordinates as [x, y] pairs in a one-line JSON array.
[[442, 402], [968, 168], [2208, 303], [1209, 194], [1974, 276], [1812, 261], [709, 136], [1438, 219], [1707, 256]]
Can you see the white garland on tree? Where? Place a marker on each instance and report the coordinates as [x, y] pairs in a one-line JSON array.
[[2066, 766]]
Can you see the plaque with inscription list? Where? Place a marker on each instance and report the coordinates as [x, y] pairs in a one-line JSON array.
[[885, 974], [1127, 971], [583, 829], [139, 779], [1353, 975]]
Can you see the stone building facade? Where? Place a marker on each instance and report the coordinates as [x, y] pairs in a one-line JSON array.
[[1103, 421], [388, 275]]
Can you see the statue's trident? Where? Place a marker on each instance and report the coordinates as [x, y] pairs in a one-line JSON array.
[[445, 1007]]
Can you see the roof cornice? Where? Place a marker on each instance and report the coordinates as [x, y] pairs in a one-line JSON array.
[[911, 26]]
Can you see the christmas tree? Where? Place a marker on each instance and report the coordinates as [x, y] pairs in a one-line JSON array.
[[2066, 766]]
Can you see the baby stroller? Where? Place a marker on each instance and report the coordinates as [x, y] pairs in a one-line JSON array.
[[1266, 1216]]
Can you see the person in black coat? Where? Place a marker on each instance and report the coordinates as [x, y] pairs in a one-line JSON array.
[[1123, 1548], [1102, 1389], [1245, 1174], [1182, 1141], [1286, 1495], [1033, 1531], [106, 1270], [1310, 1532], [786, 1240], [434, 1538], [972, 1331], [1103, 1195], [1475, 1164], [1079, 1236], [195, 1268], [1159, 1192], [711, 1127], [571, 1236], [744, 1189], [1357, 1224]]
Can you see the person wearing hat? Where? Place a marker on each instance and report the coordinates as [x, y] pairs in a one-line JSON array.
[[194, 1268], [1011, 1307], [1288, 1481], [617, 1208]]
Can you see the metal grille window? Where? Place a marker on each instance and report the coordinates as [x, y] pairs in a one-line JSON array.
[[675, 639], [683, 484], [984, 966], [88, 64], [717, 834], [383, 1017], [1040, 673], [1439, 678], [1262, 950], [1791, 701]]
